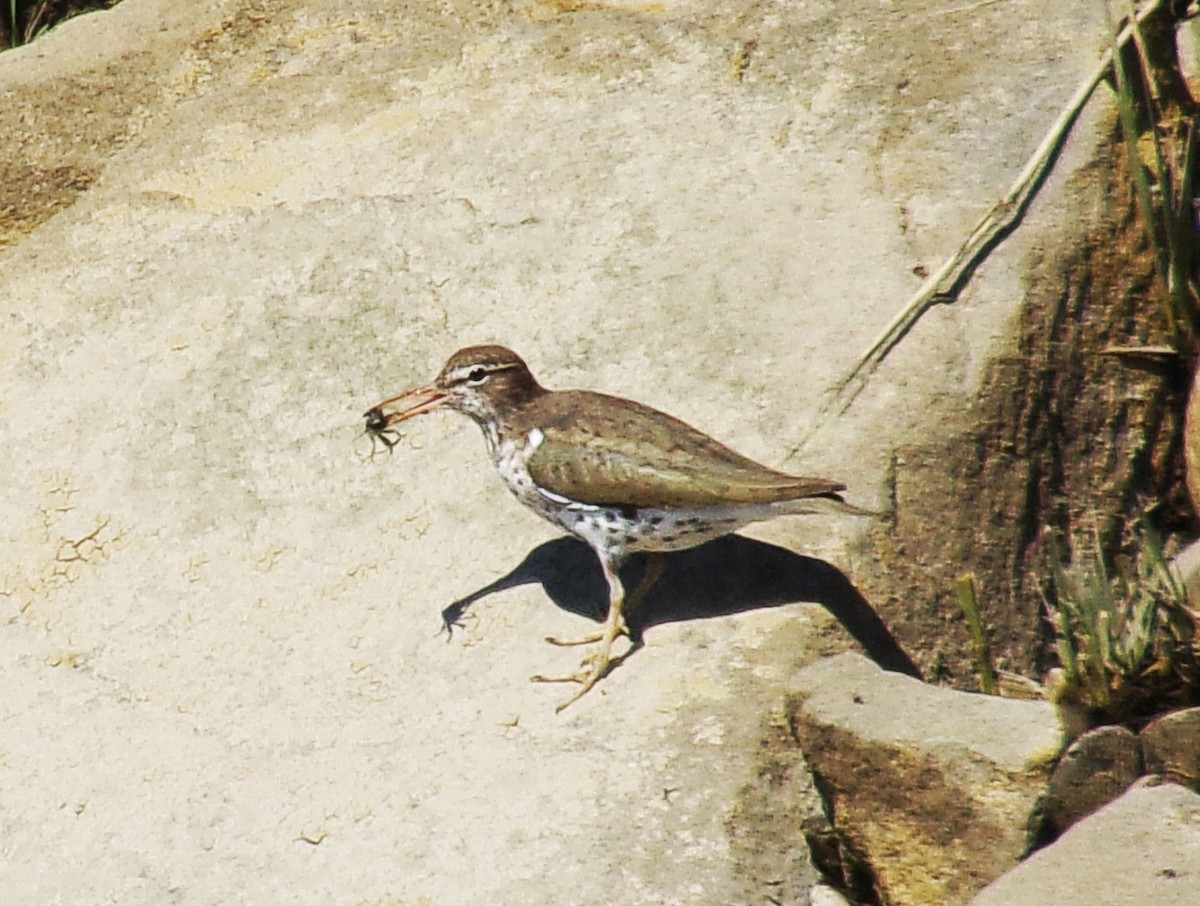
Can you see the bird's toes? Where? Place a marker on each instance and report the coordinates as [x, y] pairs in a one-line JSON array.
[[592, 669], [588, 680], [569, 643], [592, 639]]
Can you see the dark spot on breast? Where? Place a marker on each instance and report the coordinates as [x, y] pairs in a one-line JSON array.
[[667, 539], [656, 520]]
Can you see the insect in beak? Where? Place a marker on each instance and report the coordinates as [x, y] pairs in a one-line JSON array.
[[379, 427]]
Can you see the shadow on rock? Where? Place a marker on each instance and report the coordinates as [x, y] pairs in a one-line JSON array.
[[725, 576]]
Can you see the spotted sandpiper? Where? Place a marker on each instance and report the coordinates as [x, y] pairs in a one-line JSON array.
[[622, 476]]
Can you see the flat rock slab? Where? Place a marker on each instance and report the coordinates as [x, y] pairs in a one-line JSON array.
[[232, 227], [1142, 848], [934, 789]]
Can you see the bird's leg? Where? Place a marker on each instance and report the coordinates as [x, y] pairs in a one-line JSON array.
[[600, 662], [656, 565]]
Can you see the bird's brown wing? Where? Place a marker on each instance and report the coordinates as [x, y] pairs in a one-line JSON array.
[[607, 451]]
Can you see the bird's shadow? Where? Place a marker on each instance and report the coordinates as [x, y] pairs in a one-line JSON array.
[[726, 576]]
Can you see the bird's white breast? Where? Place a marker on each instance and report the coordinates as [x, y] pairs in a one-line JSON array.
[[511, 460]]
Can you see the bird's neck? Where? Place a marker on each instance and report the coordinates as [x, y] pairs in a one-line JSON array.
[[500, 423]]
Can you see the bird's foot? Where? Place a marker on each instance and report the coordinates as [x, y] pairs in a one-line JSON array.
[[592, 639], [593, 668]]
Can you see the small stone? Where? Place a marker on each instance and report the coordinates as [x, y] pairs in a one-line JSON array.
[[1098, 767], [1171, 747], [931, 790], [824, 895]]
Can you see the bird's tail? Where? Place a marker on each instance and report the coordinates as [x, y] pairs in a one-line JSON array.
[[823, 504]]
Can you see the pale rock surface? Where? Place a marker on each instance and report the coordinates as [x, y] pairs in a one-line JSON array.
[[1143, 848], [934, 789], [824, 895], [231, 227]]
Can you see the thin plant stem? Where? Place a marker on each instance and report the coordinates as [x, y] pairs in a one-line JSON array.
[[944, 285]]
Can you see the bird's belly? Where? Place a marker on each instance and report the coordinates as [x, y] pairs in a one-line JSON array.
[[627, 530], [622, 530]]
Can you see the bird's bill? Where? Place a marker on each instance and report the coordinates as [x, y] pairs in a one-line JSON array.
[[402, 408]]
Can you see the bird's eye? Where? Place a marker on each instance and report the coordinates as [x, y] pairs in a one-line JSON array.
[[476, 376]]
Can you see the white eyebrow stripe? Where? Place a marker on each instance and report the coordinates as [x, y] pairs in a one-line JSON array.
[[462, 372]]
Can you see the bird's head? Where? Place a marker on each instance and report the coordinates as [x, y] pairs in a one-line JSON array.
[[483, 382]]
